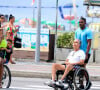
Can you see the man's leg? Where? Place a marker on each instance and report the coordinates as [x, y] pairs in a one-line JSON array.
[[11, 61], [56, 67], [68, 68], [86, 62], [1, 72]]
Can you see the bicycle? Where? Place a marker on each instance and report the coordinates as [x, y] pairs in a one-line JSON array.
[[6, 78]]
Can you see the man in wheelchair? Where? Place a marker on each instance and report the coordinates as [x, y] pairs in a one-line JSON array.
[[74, 59]]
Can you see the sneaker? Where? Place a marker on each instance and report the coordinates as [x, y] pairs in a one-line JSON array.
[[13, 62], [50, 83], [61, 84]]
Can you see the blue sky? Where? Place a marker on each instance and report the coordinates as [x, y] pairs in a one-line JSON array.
[[48, 14]]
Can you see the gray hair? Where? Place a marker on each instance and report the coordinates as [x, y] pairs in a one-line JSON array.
[[78, 40]]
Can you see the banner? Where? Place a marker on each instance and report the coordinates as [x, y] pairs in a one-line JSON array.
[[96, 40], [28, 36], [93, 12]]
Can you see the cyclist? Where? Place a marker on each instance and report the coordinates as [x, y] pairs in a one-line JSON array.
[[3, 44]]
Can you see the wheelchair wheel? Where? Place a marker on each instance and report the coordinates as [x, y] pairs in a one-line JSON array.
[[6, 79], [81, 79]]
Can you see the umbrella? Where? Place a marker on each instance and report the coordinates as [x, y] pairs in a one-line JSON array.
[[32, 22], [43, 22], [68, 17], [27, 21], [33, 19], [53, 24], [72, 22], [23, 20], [69, 5], [17, 20], [50, 23]]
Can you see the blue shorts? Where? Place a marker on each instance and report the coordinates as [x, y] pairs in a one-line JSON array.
[[6, 61]]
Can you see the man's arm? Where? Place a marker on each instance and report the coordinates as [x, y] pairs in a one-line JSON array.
[[81, 62], [89, 39], [7, 50], [88, 47], [67, 61]]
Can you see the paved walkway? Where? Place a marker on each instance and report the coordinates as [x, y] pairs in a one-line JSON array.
[[43, 70]]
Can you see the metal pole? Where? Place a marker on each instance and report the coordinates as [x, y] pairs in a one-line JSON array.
[[94, 55], [56, 30], [33, 24], [75, 14], [92, 17], [33, 12], [70, 21], [37, 51]]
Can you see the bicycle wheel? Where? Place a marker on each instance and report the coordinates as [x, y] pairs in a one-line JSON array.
[[6, 79], [81, 77]]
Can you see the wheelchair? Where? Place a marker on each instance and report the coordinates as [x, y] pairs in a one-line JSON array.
[[75, 78]]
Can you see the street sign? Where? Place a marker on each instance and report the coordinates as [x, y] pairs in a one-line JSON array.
[[92, 2]]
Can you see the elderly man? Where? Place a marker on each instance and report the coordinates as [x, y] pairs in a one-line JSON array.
[[76, 57]]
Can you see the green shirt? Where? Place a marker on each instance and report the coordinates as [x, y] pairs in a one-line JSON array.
[[9, 29], [3, 43]]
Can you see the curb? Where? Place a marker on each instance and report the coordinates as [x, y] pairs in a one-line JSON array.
[[30, 74], [41, 75]]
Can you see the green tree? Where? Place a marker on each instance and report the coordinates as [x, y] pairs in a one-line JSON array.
[[65, 40]]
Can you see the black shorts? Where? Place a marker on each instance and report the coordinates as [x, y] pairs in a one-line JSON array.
[[86, 61], [77, 66], [64, 65], [2, 53]]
